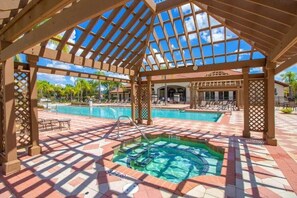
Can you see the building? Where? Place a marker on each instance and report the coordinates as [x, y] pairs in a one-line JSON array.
[[210, 90]]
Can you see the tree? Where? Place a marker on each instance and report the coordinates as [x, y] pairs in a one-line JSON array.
[[44, 88], [69, 91], [100, 73], [289, 77], [81, 86]]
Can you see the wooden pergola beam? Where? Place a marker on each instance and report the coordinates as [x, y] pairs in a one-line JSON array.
[[167, 5], [64, 72], [77, 13], [76, 60], [206, 78], [33, 13], [151, 4], [288, 41], [290, 62], [288, 7], [211, 67]]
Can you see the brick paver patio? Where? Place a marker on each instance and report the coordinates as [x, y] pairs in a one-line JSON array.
[[76, 162]]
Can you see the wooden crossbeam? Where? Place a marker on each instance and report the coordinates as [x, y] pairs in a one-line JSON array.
[[288, 41], [77, 13], [76, 60], [167, 5], [288, 7], [212, 67], [286, 64], [64, 72], [127, 31], [259, 11], [84, 35], [102, 29], [151, 4], [33, 13]]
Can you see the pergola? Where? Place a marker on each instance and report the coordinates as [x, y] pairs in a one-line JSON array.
[[141, 39]]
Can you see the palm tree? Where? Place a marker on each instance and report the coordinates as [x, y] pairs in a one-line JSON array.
[[109, 86], [69, 90], [44, 88], [118, 85], [99, 73], [81, 86], [289, 77]]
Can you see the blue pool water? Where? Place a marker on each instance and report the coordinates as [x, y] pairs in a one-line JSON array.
[[115, 112], [172, 160]]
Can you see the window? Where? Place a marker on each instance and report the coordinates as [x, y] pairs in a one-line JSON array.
[[221, 95], [226, 95]]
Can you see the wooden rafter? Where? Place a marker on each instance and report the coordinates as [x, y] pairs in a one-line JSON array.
[[127, 31], [221, 17], [100, 32], [167, 39], [289, 40], [212, 67], [77, 13], [84, 35], [76, 60], [64, 72], [286, 64], [167, 5], [107, 39], [35, 12], [288, 7]]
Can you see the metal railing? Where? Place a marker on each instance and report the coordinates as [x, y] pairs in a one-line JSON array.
[[131, 121]]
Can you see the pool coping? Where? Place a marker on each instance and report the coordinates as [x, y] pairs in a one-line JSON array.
[[180, 188]]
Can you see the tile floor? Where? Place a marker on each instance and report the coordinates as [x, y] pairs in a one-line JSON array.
[[76, 162]]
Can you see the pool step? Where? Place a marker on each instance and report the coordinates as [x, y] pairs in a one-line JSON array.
[[143, 161], [137, 154], [129, 148]]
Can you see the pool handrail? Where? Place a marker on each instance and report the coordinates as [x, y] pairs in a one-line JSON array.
[[131, 121]]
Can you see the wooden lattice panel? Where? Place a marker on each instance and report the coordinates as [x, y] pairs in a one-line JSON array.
[[144, 102], [136, 103], [257, 96], [22, 108], [141, 102]]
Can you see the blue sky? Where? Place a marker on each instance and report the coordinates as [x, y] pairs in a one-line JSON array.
[[202, 21]]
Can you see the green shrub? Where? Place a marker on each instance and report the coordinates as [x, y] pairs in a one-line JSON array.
[[79, 103], [40, 106], [287, 110]]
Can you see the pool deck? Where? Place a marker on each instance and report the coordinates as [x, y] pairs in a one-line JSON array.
[[77, 162]]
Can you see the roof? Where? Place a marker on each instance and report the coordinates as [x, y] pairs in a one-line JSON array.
[[194, 75], [140, 35]]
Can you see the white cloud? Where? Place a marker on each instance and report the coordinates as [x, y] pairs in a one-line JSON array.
[[186, 8], [59, 65], [52, 78]]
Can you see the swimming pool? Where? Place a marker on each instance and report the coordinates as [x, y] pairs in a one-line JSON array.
[[114, 112], [170, 159]]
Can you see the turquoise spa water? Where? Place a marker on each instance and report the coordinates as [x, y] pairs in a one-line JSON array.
[[172, 160], [115, 112]]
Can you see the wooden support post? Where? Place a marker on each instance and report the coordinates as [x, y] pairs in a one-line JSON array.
[[191, 96], [10, 164], [246, 130], [139, 96], [237, 99], [132, 97], [149, 102], [195, 97], [34, 149], [269, 136]]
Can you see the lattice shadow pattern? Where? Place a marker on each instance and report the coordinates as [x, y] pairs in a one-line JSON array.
[[141, 102], [257, 106]]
